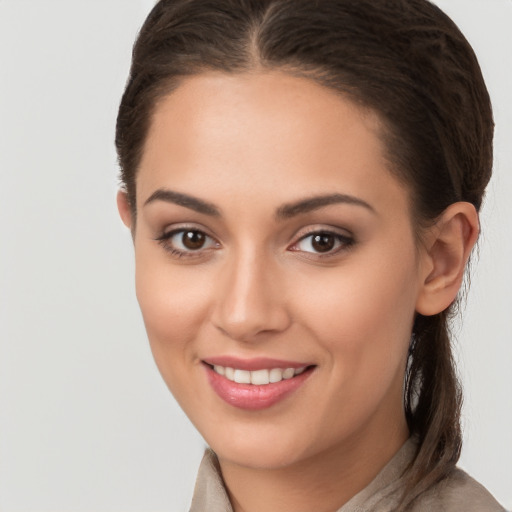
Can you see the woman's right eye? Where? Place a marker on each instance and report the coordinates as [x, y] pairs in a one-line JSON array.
[[186, 242]]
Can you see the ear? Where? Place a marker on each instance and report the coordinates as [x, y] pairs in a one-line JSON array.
[[449, 245], [123, 207]]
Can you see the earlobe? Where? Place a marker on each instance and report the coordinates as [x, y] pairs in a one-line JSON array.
[[450, 243], [123, 207]]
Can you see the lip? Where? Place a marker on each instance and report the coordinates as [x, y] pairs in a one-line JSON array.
[[258, 363], [251, 397]]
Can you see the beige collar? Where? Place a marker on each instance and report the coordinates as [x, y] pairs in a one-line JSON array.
[[210, 493]]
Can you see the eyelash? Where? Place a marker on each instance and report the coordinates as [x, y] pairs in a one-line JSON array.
[[164, 241], [345, 242]]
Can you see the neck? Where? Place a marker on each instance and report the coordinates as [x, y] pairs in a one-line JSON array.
[[323, 482]]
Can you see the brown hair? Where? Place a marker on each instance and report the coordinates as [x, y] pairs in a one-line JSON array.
[[404, 59]]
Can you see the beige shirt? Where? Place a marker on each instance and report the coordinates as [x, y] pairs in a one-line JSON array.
[[457, 493]]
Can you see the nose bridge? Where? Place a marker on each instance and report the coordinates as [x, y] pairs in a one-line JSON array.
[[248, 302]]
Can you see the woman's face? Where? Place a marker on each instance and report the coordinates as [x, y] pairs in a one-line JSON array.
[[270, 234]]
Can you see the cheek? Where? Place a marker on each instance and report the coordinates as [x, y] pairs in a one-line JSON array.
[[362, 314], [362, 321], [360, 300], [166, 308], [174, 305]]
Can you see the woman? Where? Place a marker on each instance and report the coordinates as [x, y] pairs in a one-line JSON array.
[[302, 180]]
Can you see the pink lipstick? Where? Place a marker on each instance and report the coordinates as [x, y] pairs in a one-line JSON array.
[[255, 384]]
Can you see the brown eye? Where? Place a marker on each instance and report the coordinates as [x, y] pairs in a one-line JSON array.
[[187, 242], [323, 242], [193, 240]]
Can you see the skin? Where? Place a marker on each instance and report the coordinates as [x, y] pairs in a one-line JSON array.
[[247, 145]]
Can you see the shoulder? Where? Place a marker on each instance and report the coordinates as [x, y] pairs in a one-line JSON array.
[[457, 493]]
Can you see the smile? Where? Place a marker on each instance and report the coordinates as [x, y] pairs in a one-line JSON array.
[[258, 388], [258, 377]]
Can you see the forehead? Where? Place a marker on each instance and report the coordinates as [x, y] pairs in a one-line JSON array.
[[269, 133]]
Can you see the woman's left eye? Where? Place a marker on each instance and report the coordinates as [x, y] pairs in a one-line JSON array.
[[323, 242], [186, 242]]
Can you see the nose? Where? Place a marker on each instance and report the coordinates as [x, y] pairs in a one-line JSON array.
[[250, 299]]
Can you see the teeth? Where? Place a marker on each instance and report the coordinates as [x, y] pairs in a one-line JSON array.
[[242, 377], [220, 370], [275, 375], [288, 373], [258, 377]]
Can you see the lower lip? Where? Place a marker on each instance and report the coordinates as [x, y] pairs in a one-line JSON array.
[[250, 396]]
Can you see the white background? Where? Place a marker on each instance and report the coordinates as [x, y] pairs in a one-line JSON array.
[[86, 424]]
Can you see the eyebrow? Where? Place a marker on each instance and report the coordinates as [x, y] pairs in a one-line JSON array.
[[286, 211], [314, 203], [185, 200]]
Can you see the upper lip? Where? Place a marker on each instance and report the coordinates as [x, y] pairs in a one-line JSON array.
[[257, 363]]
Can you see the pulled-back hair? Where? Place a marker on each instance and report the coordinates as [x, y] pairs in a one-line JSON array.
[[405, 60]]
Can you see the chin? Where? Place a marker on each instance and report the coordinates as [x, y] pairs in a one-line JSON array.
[[256, 457], [262, 449]]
